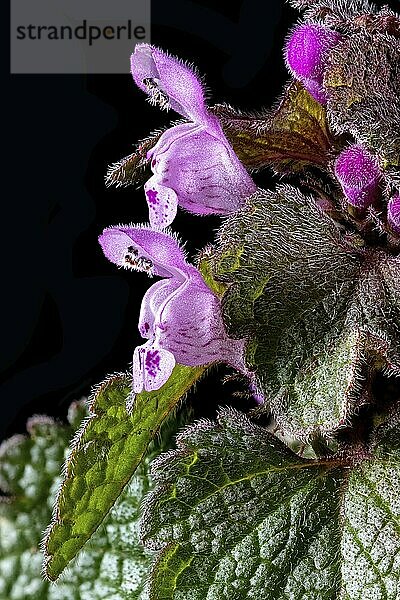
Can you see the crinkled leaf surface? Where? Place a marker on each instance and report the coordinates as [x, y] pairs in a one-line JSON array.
[[334, 12], [370, 546], [238, 515], [318, 310], [290, 138], [113, 566], [363, 81], [28, 467], [104, 456]]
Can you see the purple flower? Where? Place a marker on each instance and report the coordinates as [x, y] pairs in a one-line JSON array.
[[306, 52], [193, 164], [358, 172], [394, 213], [180, 316]]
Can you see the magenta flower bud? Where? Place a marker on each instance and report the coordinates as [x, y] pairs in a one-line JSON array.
[[180, 317], [306, 52], [357, 171], [394, 213], [193, 164]]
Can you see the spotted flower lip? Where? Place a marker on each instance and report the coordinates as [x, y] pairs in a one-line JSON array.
[[358, 173], [306, 52], [394, 213], [193, 164], [180, 316]]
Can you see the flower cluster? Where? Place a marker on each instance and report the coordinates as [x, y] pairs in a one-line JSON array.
[[194, 167], [357, 170]]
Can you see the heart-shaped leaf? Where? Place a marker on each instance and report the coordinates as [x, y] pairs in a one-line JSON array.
[[237, 515], [362, 82], [322, 314]]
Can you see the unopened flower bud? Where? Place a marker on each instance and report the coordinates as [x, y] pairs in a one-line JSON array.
[[306, 52], [357, 171]]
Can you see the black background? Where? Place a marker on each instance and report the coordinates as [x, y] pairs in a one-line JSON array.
[[69, 316]]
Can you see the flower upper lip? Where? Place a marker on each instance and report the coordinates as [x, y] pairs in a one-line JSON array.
[[172, 77], [131, 247]]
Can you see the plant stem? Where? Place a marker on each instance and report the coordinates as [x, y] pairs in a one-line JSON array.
[[320, 446]]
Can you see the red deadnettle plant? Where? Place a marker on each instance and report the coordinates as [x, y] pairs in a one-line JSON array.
[[299, 498]]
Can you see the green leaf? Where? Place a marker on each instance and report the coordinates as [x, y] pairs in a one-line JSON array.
[[205, 266], [104, 456], [114, 566], [362, 81], [290, 138], [370, 546], [235, 514], [28, 467], [385, 436], [322, 315]]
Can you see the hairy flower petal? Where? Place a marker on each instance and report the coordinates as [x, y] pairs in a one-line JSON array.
[[162, 202], [168, 81], [193, 164], [180, 316], [151, 367], [201, 169], [152, 303], [143, 249], [190, 326]]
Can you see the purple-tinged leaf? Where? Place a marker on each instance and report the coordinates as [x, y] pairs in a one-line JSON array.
[[293, 137]]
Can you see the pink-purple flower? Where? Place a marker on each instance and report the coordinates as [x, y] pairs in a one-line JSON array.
[[306, 54], [358, 173], [180, 316], [394, 213], [193, 164]]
